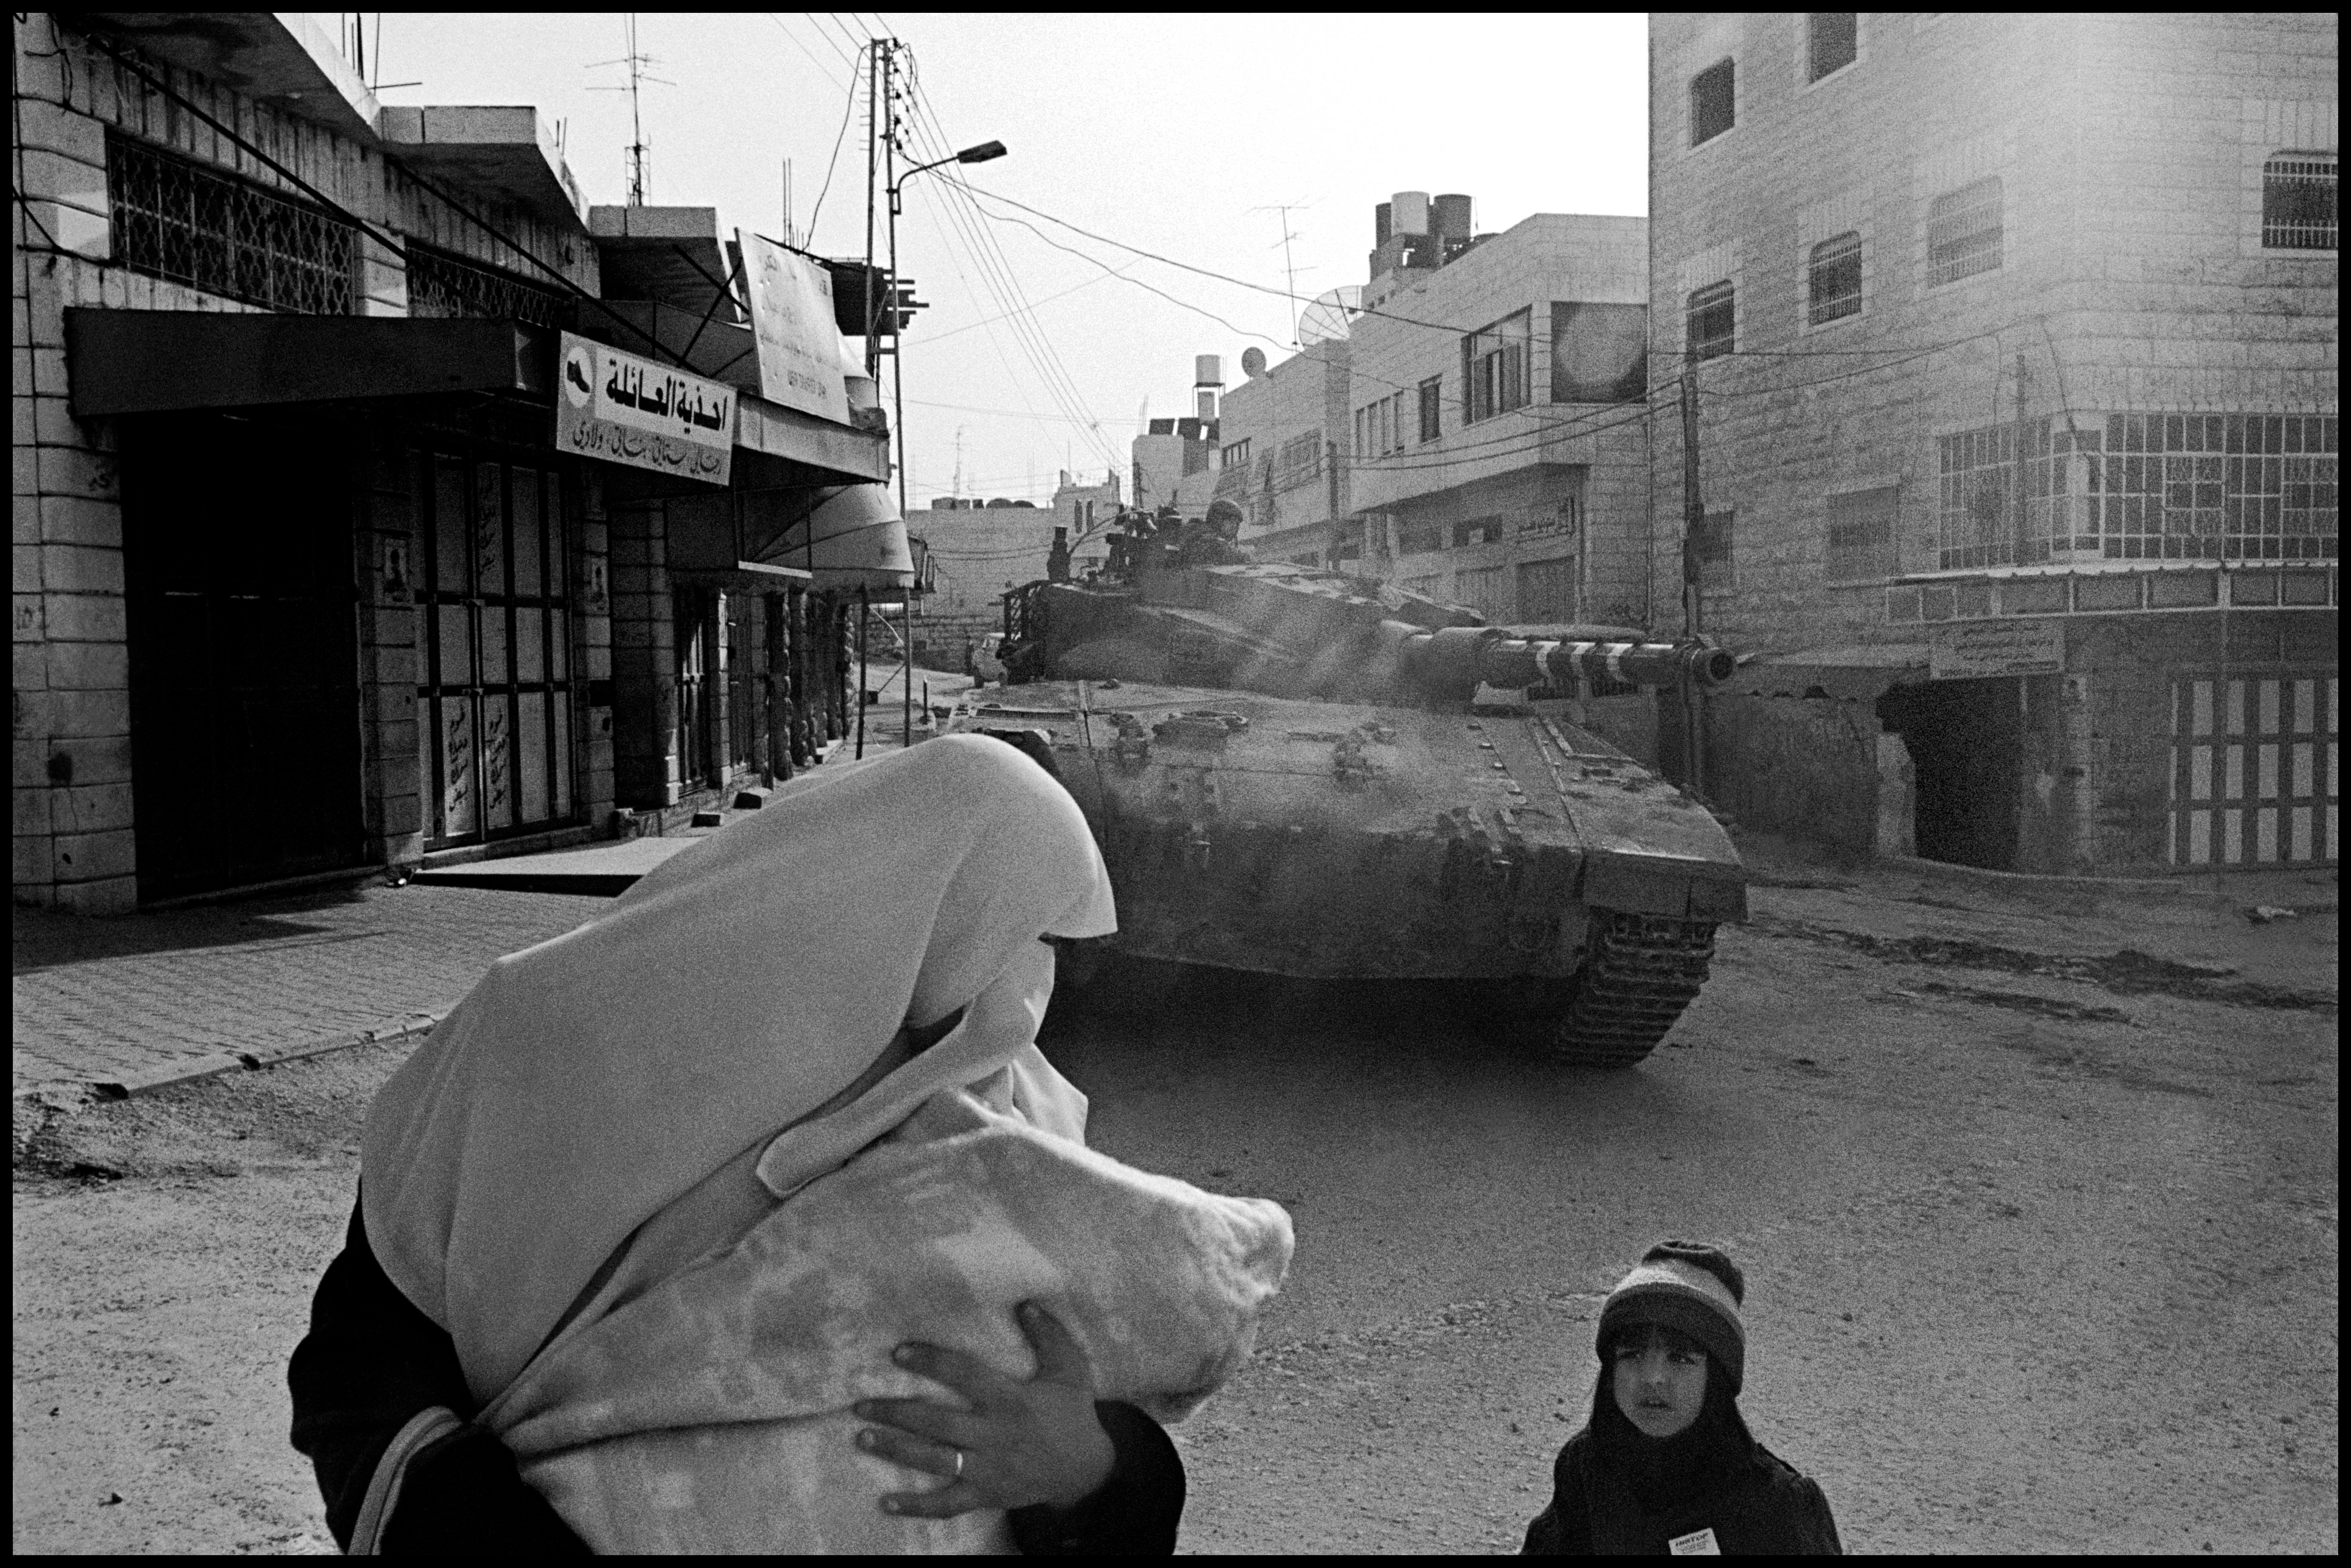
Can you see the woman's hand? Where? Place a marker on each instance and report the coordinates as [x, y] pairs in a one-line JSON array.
[[1019, 1444]]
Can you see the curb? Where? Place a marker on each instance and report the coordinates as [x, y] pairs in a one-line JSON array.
[[409, 1026], [2164, 889]]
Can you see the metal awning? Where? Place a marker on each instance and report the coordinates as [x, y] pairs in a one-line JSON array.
[[155, 361], [160, 361], [854, 538]]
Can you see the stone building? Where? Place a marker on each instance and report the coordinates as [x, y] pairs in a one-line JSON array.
[[2012, 341], [1497, 443], [1282, 456], [301, 582]]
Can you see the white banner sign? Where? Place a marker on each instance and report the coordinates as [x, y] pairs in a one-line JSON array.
[[792, 321], [620, 408], [1972, 648]]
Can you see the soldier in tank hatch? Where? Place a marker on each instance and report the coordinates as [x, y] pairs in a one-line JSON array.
[[1667, 1463]]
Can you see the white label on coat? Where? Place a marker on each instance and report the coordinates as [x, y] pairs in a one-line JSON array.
[[1697, 1544]]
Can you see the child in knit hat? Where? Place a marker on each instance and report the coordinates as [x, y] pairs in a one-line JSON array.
[[1667, 1464]]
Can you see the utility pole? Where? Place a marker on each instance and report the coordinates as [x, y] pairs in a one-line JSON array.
[[1693, 531], [1693, 506]]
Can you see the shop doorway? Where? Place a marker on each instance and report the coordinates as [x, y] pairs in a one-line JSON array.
[[496, 693], [1966, 744], [242, 606]]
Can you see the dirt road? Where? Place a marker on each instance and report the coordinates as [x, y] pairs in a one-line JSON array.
[[2038, 1206]]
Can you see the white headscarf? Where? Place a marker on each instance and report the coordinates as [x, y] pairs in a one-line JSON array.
[[586, 1083]]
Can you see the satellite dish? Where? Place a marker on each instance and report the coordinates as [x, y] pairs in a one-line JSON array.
[[1326, 321], [1252, 361]]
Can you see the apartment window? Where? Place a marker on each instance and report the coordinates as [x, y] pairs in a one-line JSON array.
[[1420, 539], [1710, 546], [1432, 392], [1833, 275], [174, 218], [1860, 535], [1494, 367], [1300, 460], [1236, 455], [1362, 431], [1831, 41], [1712, 105], [2298, 202], [1478, 531], [1598, 354], [1963, 232], [1709, 322], [440, 285]]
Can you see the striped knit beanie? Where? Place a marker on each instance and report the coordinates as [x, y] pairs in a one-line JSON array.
[[1688, 1286]]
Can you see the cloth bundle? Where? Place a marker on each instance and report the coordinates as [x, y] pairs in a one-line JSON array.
[[711, 1413]]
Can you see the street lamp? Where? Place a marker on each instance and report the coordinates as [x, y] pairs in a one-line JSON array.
[[984, 153]]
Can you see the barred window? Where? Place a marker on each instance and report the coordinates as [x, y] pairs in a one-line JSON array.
[[176, 219], [1494, 366], [1236, 455], [1860, 535], [1834, 276], [440, 285], [1431, 408], [2142, 488], [2298, 202], [1834, 38], [1300, 460], [1709, 321], [1963, 232], [1713, 101]]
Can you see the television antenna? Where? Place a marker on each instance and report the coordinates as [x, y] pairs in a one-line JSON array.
[[637, 63], [1289, 266]]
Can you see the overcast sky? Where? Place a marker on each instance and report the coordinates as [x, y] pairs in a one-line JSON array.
[[1174, 133]]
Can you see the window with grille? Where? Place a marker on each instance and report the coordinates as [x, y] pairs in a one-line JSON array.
[[1300, 460], [1712, 549], [1710, 321], [1832, 276], [2298, 202], [175, 219], [1432, 392], [1832, 40], [1420, 539], [1712, 102], [1860, 535], [1963, 232], [2256, 774], [2142, 488], [1494, 367], [440, 285], [1236, 455]]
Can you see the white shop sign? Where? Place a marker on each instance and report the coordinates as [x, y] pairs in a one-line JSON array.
[[619, 407], [1969, 649], [793, 323]]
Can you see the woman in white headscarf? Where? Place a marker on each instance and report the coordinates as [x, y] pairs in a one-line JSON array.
[[670, 1206]]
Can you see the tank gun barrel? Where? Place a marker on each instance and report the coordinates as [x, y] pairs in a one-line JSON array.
[[1453, 660]]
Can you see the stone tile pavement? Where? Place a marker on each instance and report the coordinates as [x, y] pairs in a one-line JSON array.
[[127, 999]]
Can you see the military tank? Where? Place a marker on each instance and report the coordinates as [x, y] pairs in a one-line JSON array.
[[1290, 771]]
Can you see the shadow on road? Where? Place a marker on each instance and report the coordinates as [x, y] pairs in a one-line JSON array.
[[47, 939]]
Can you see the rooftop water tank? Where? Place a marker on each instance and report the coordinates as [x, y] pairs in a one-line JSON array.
[[1452, 217], [1207, 370], [1410, 212]]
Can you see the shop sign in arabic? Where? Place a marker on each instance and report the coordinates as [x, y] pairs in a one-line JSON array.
[[792, 321], [1975, 648], [620, 408]]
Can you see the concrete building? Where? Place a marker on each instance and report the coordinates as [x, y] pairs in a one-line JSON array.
[[1496, 443], [301, 581], [1084, 513], [1176, 459], [1283, 457], [2013, 342]]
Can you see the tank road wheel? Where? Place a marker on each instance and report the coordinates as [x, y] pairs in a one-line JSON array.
[[1641, 972]]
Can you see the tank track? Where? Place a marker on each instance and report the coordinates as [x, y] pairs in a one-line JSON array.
[[1641, 972]]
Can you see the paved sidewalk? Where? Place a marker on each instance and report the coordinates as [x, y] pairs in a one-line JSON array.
[[125, 1000]]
